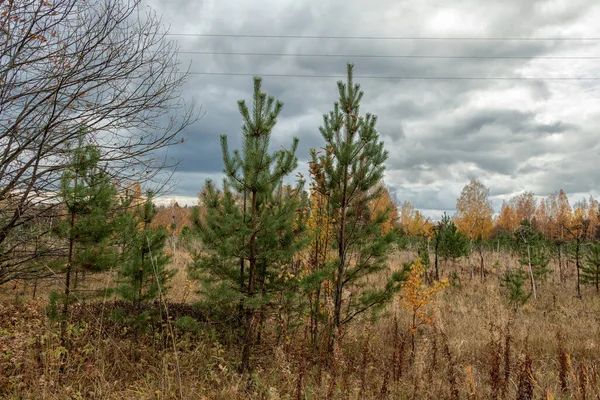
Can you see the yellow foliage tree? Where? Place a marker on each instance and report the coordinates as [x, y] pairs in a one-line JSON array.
[[474, 211], [380, 204], [541, 218], [411, 220], [414, 224], [320, 227], [594, 218], [506, 221], [474, 215], [525, 206], [564, 215], [417, 298]]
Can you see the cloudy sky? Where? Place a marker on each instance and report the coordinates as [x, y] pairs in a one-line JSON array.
[[535, 134]]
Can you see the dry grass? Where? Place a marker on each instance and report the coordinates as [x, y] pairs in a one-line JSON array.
[[479, 348]]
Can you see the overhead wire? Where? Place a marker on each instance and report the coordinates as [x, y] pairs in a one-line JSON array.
[[389, 56], [321, 37], [417, 56], [408, 78]]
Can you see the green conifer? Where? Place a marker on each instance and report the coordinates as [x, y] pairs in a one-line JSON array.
[[89, 198], [251, 227], [590, 270], [448, 242], [532, 252], [352, 167], [143, 274]]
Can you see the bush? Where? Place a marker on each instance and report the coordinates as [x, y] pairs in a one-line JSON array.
[[513, 282]]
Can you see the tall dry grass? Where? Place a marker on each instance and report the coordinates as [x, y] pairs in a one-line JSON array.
[[478, 348]]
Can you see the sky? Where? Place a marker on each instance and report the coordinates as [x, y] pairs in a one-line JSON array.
[[514, 135]]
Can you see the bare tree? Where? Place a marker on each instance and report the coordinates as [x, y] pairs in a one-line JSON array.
[[65, 65]]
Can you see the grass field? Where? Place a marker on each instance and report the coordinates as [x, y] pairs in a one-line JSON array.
[[476, 347]]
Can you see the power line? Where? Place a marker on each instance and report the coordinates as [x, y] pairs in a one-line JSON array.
[[407, 78], [252, 36], [387, 56]]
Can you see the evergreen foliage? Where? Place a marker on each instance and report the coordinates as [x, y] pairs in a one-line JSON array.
[[532, 249], [590, 270], [350, 170], [448, 242], [89, 198], [143, 274], [251, 229], [513, 282]]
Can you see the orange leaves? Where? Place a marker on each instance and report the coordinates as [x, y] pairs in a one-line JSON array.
[[320, 227], [416, 296], [413, 222], [380, 204], [474, 211], [525, 206], [507, 221]]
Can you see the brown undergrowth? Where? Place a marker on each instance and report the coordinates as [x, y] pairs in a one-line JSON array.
[[477, 348]]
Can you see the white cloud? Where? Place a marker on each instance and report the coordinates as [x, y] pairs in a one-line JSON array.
[[536, 135]]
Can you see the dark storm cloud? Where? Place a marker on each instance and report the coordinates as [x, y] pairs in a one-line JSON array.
[[514, 135]]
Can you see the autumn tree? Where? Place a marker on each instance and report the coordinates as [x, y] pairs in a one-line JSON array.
[[262, 232], [564, 214], [384, 203], [541, 218], [66, 63], [587, 210], [559, 216], [506, 221], [320, 252], [474, 215], [353, 165], [502, 234], [524, 206], [413, 224], [417, 298], [593, 216], [576, 231]]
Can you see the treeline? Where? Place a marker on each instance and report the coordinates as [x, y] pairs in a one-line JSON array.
[[536, 231]]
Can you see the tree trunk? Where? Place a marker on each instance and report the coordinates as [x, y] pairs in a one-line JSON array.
[[481, 266], [470, 259], [342, 257], [560, 271], [531, 273], [242, 263], [339, 281], [69, 262], [437, 245], [249, 314], [577, 246], [314, 315]]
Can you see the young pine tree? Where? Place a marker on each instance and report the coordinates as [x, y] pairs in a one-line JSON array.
[[143, 274], [250, 230], [352, 167], [532, 253], [590, 270], [513, 282], [89, 199], [448, 242]]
